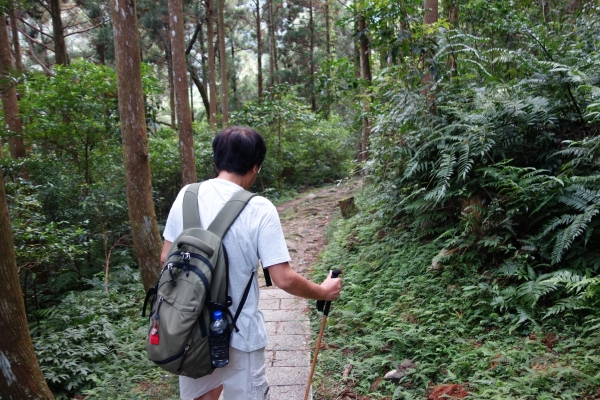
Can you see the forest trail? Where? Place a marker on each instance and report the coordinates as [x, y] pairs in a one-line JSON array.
[[304, 221]]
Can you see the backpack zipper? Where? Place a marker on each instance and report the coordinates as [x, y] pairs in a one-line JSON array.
[[175, 357], [185, 349], [198, 272], [160, 301], [170, 268], [194, 255]]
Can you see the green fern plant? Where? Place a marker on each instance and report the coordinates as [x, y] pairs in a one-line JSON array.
[[561, 231]]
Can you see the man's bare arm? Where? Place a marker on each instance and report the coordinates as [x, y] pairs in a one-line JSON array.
[[292, 282], [165, 250]]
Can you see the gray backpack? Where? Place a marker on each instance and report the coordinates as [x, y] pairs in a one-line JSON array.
[[192, 284]]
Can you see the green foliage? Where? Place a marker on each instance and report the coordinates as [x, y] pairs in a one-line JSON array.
[[92, 344], [300, 149], [499, 162], [477, 253], [455, 324], [72, 113], [42, 246]]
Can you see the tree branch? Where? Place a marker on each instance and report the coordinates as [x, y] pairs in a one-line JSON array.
[[193, 39], [44, 5], [35, 41], [44, 67], [85, 30], [34, 28], [201, 89]]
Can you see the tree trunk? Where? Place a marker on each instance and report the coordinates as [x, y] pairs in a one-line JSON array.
[[212, 83], [453, 14], [259, 50], [430, 16], [272, 45], [58, 33], [144, 228], [16, 44], [431, 12], [453, 19], [171, 84], [10, 103], [201, 88], [204, 66], [313, 97], [191, 86], [327, 106], [365, 72], [21, 376], [223, 64], [180, 80], [357, 57], [233, 78], [327, 30], [101, 52], [365, 54]]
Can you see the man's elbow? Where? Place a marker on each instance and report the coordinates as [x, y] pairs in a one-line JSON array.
[[284, 284], [282, 275]]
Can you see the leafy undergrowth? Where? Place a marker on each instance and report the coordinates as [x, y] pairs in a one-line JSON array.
[[396, 306], [91, 345]]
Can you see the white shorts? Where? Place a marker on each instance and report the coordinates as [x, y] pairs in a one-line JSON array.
[[244, 378]]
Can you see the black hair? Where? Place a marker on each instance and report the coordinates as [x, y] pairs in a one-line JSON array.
[[238, 149]]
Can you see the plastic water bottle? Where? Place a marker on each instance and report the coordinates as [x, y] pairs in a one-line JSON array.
[[219, 341]]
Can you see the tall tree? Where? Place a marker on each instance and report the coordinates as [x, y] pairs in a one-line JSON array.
[[58, 32], [172, 105], [365, 73], [144, 228], [365, 53], [327, 29], [223, 63], [258, 48], [15, 41], [453, 19], [180, 81], [10, 103], [311, 27], [212, 82], [272, 46], [431, 12], [21, 376], [200, 84], [430, 16]]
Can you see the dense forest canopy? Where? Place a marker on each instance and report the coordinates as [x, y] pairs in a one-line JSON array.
[[475, 123]]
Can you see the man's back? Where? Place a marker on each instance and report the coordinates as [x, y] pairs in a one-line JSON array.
[[255, 234]]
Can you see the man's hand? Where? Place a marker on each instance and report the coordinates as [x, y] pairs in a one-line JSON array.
[[289, 280], [331, 287]]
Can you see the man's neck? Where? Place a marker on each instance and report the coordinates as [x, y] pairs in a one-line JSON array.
[[244, 181]]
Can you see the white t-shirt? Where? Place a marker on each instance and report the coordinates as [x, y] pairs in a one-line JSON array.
[[255, 234]]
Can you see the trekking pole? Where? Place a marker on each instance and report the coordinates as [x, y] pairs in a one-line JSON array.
[[324, 306]]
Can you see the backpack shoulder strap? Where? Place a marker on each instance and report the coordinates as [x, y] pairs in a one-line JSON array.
[[191, 214], [230, 212]]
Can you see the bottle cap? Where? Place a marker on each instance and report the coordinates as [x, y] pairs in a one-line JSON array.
[[217, 315]]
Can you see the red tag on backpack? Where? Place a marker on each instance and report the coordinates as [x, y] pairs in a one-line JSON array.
[[154, 339]]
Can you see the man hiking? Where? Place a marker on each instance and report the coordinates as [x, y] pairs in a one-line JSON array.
[[238, 154]]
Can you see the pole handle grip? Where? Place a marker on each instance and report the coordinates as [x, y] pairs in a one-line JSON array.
[[321, 304]]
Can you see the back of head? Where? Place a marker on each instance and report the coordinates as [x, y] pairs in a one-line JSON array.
[[238, 149]]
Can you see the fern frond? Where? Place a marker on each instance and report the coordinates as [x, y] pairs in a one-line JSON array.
[[570, 303], [535, 289]]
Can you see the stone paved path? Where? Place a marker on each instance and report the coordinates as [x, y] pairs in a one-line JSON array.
[[289, 353]]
